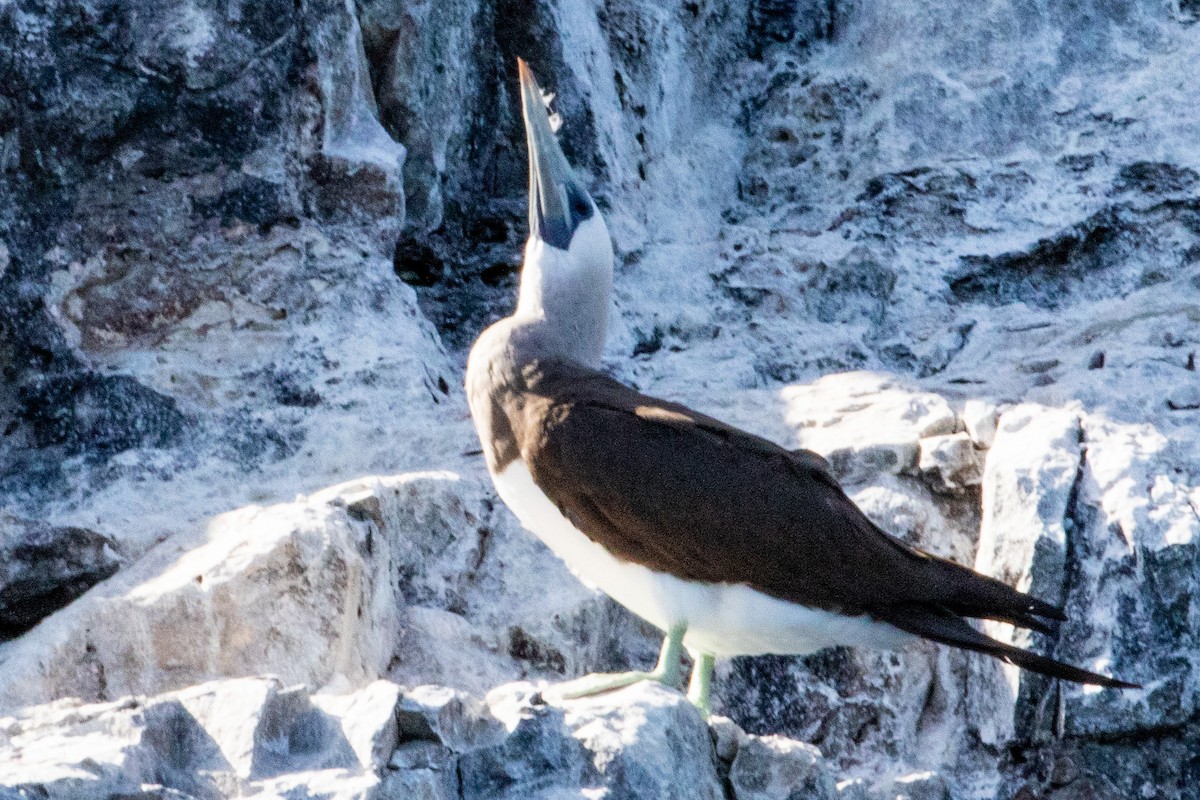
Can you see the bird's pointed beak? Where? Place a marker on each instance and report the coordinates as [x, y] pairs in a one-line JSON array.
[[551, 181]]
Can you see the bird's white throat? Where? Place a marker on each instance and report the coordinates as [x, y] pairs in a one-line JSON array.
[[568, 292]]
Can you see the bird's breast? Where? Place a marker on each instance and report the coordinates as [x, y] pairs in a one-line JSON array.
[[647, 593]]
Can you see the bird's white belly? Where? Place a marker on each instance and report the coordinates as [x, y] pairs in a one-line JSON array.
[[722, 619]]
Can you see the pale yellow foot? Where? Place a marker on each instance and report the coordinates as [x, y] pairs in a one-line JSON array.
[[597, 683], [666, 672]]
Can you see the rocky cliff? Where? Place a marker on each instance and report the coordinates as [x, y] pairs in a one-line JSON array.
[[955, 247]]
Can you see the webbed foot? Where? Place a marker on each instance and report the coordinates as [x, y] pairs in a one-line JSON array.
[[666, 673]]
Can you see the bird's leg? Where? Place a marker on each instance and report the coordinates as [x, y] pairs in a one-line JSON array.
[[701, 683], [667, 669], [665, 672]]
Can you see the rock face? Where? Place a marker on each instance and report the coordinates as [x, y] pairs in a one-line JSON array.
[[338, 588], [243, 249], [244, 737], [43, 568], [200, 208]]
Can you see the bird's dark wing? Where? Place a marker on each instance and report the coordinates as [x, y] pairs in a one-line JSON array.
[[661, 485]]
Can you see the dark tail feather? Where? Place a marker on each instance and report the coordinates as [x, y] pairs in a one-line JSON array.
[[970, 594], [944, 626], [967, 593], [1023, 618]]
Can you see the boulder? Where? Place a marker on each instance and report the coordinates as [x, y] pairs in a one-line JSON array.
[[777, 768], [866, 423], [328, 567]]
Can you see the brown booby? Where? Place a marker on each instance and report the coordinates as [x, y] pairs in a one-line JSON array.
[[727, 542]]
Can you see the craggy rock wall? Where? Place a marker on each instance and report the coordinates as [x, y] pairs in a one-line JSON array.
[[953, 246]]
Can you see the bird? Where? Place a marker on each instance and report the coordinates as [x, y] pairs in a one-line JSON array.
[[727, 542]]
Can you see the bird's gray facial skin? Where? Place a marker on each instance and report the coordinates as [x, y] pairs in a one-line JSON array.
[[557, 201]]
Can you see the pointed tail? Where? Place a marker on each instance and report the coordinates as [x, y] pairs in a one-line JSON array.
[[946, 627]]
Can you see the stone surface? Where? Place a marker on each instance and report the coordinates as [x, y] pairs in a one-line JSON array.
[[775, 768], [450, 718], [221, 739], [342, 571], [244, 737], [950, 461], [1029, 485], [919, 786], [864, 423], [193, 608], [243, 248], [643, 741], [979, 418], [43, 568], [201, 238]]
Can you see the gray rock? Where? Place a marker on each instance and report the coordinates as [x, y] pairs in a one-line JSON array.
[[43, 568], [918, 786], [726, 737], [1029, 482], [422, 771], [211, 217], [950, 461], [449, 718], [775, 768], [245, 737], [644, 741], [216, 740], [369, 719], [208, 344], [1030, 475], [979, 418], [865, 423], [193, 609]]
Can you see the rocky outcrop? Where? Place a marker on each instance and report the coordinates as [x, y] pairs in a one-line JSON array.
[[253, 736], [410, 577], [222, 739], [200, 210], [243, 248]]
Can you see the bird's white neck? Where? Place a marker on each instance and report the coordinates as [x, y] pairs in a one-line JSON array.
[[566, 294]]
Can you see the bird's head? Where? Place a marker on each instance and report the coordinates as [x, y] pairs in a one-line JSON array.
[[569, 257]]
